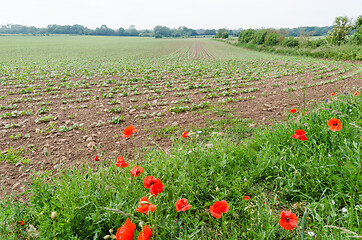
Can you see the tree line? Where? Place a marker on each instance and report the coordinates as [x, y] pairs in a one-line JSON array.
[[343, 31], [103, 30], [158, 31]]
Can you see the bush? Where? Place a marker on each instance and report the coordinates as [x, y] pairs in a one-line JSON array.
[[225, 35], [246, 36], [290, 42], [222, 33], [259, 36], [272, 39], [317, 43], [357, 37]]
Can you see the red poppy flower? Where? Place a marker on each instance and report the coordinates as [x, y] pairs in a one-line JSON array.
[[154, 184], [218, 208], [146, 206], [293, 110], [136, 171], [126, 231], [128, 131], [300, 134], [185, 134], [288, 220], [121, 163], [145, 234], [96, 158], [246, 197], [333, 93], [334, 124], [21, 223], [181, 205], [356, 93]]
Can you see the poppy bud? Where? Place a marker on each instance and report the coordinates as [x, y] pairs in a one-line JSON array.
[[54, 215], [217, 189], [107, 237]]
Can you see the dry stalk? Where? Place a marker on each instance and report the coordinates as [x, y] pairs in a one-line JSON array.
[[355, 235]]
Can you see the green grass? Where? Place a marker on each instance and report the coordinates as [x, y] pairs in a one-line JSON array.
[[13, 156], [165, 131], [223, 161], [343, 52]]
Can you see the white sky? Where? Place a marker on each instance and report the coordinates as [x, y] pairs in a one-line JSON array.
[[207, 14]]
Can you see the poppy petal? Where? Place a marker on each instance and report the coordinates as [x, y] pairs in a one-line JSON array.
[[145, 234], [148, 181], [288, 220], [126, 231]]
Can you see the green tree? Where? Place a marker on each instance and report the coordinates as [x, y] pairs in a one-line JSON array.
[[222, 33], [162, 31], [272, 39], [210, 32], [260, 35], [246, 36], [341, 28], [357, 36]]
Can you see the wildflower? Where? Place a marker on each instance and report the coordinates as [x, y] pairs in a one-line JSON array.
[[218, 208], [345, 93], [333, 93], [246, 197], [121, 163], [128, 131], [154, 184], [96, 158], [185, 134], [145, 234], [300, 134], [356, 93], [344, 210], [288, 220], [293, 110], [181, 205], [146, 206], [126, 231], [312, 234], [136, 171], [334, 124], [21, 223]]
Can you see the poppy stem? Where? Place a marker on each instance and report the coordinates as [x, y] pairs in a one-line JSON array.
[[54, 229], [134, 148], [303, 222]]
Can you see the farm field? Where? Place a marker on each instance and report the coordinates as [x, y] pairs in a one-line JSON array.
[[66, 99]]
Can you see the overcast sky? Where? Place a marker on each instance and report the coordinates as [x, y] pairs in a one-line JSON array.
[[146, 14]]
